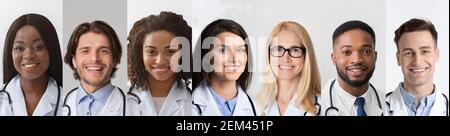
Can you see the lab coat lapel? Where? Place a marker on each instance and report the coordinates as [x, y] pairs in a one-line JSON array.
[[397, 105], [439, 108], [243, 106], [174, 101], [204, 99], [48, 101], [18, 100], [114, 104]]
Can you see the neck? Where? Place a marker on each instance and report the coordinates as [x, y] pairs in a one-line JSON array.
[[224, 88], [90, 88], [34, 86], [160, 88], [355, 91], [286, 89], [419, 91]]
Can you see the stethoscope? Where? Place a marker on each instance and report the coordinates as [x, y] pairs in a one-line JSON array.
[[248, 97], [332, 108], [446, 103], [10, 100], [73, 90]]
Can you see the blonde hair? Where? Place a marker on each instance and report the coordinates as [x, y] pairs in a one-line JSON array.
[[309, 83]]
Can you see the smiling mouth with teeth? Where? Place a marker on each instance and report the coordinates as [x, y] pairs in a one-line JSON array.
[[418, 70], [94, 68], [285, 67], [30, 65], [161, 69]]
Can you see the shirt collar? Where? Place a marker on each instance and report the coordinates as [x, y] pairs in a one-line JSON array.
[[100, 95], [221, 100], [410, 100]]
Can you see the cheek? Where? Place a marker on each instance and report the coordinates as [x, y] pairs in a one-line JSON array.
[[16, 60], [148, 61]]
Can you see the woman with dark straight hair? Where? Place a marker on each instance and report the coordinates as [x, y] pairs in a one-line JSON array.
[[220, 87], [32, 68]]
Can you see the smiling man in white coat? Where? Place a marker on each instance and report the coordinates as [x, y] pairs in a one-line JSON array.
[[354, 55], [417, 54], [93, 53]]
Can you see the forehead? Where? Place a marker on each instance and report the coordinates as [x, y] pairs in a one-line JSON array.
[[27, 31], [159, 38], [355, 38], [93, 40], [286, 38], [416, 39], [229, 39]]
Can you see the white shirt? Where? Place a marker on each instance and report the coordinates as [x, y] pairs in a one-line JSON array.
[[46, 106], [177, 103], [344, 101]]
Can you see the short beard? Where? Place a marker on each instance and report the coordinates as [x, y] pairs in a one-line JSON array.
[[355, 83]]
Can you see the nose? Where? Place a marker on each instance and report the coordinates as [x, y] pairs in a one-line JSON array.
[[286, 57], [94, 56], [357, 58], [28, 53], [159, 58], [417, 58]]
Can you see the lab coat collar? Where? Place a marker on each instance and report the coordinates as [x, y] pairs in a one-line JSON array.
[[46, 105]]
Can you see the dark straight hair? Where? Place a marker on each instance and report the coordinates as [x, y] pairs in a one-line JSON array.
[[50, 37], [212, 30]]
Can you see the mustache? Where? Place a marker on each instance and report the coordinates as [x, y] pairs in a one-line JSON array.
[[357, 65]]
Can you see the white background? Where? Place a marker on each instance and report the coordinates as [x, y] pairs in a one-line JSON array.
[[10, 10], [258, 17]]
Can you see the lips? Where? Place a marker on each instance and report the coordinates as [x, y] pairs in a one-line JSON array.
[[418, 70], [356, 70], [93, 68], [285, 67], [231, 68], [160, 69], [29, 65]]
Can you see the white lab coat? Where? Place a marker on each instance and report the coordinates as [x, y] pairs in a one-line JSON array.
[[344, 101], [395, 106], [178, 103], [113, 106], [291, 110], [45, 107], [203, 98]]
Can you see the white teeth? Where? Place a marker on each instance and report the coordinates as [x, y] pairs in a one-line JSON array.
[[418, 70], [355, 70], [231, 68], [94, 68], [161, 69], [29, 65], [285, 67]]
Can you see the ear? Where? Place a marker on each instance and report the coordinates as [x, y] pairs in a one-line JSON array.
[[437, 53], [74, 62], [333, 58], [376, 56], [398, 58]]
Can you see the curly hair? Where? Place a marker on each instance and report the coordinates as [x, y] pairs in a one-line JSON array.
[[167, 21]]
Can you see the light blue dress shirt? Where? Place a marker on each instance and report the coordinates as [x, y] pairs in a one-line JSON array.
[[91, 104], [225, 107], [410, 101]]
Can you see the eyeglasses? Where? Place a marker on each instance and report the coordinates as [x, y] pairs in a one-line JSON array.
[[294, 52]]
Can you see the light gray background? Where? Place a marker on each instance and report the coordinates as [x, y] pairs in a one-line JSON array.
[[10, 10], [400, 11], [112, 12]]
